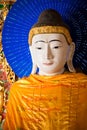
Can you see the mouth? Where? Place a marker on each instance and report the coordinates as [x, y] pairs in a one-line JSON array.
[[47, 64]]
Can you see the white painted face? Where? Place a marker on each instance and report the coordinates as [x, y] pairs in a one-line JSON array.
[[50, 53]]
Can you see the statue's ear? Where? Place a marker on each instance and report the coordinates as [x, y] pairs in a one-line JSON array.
[[34, 67], [70, 58]]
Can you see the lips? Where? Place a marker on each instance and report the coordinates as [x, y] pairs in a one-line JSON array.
[[48, 64]]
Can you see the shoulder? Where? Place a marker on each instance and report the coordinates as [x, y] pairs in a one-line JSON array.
[[78, 78], [78, 75], [25, 81], [21, 83]]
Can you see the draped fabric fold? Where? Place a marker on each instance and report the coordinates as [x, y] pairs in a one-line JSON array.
[[48, 103]]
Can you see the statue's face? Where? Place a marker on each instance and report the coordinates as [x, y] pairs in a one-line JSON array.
[[50, 53]]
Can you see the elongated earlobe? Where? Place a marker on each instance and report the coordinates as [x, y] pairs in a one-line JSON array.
[[70, 58], [34, 66]]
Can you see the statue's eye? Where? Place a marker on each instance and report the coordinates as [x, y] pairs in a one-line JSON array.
[[39, 48], [56, 47]]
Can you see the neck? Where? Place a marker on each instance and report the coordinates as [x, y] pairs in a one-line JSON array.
[[51, 74]]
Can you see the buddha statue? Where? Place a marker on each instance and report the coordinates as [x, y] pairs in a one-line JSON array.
[[53, 97]]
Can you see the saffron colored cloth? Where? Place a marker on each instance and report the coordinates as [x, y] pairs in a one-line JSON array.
[[48, 103]]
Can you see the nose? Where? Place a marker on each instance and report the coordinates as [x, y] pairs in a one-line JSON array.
[[48, 53]]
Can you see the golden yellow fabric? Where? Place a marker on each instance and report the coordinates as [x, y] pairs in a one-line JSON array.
[[48, 103]]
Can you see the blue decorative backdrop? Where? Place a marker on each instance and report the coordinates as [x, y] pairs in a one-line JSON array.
[[24, 13]]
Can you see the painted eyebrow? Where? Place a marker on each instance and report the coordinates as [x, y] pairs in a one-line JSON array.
[[49, 41], [55, 40], [39, 41]]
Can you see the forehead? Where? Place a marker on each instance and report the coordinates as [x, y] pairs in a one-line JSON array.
[[48, 37]]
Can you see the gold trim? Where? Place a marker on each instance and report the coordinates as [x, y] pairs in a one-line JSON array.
[[50, 29], [7, 1]]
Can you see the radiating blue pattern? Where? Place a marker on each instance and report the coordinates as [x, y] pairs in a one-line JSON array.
[[24, 14]]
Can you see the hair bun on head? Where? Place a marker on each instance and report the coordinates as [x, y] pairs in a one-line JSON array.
[[50, 21], [50, 17]]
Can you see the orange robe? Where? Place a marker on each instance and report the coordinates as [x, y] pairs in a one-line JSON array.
[[48, 103]]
